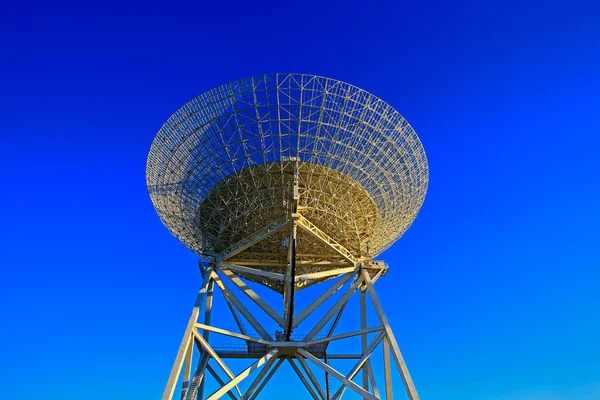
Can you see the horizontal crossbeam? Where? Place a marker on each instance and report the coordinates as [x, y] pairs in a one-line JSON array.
[[324, 274], [345, 335], [231, 334], [252, 271]]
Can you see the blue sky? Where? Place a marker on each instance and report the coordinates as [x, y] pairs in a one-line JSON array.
[[493, 291]]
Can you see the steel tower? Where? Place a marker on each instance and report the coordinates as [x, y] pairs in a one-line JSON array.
[[283, 182]]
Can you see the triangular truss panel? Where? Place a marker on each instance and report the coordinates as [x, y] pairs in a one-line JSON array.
[[311, 355]]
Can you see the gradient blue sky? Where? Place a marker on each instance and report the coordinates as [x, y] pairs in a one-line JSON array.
[[493, 292]]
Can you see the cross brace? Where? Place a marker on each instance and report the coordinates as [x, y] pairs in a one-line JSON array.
[[270, 351]]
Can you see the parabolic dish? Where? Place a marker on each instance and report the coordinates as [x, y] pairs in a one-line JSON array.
[[221, 166]]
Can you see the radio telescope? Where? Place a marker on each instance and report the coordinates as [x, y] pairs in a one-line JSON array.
[[286, 181]]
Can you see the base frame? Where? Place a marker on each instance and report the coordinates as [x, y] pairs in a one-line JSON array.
[[275, 351], [352, 275]]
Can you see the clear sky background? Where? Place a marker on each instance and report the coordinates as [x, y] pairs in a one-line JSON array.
[[493, 292]]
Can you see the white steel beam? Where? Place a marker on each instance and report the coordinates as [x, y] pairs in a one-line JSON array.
[[243, 310], [315, 231], [344, 335], [214, 355], [301, 316], [377, 276], [303, 379], [231, 334], [387, 370], [187, 339], [254, 238], [311, 376], [340, 303], [264, 382], [247, 270], [241, 376], [363, 338], [337, 375], [207, 316], [260, 376], [400, 363], [254, 297], [372, 378], [187, 370], [325, 274], [219, 380], [234, 313], [360, 364], [198, 377]]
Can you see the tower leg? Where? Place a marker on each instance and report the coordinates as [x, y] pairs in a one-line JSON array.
[[207, 315], [363, 326], [186, 342], [268, 352], [400, 364], [386, 369], [187, 371]]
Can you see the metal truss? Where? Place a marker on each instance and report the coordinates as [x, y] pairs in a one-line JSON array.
[[269, 352], [222, 166], [287, 181]]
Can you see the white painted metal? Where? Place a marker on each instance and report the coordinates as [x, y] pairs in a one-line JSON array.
[[337, 375], [266, 368], [325, 274], [253, 239], [253, 271], [219, 380], [314, 230], [214, 355], [241, 376], [266, 379], [363, 338], [387, 370], [400, 363], [344, 335], [372, 379], [254, 297], [338, 305], [311, 376], [321, 299], [237, 166], [303, 379], [241, 308], [362, 284], [187, 339], [365, 357], [207, 316], [232, 334]]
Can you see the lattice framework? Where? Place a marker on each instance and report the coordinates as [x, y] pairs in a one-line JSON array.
[[288, 181], [222, 164]]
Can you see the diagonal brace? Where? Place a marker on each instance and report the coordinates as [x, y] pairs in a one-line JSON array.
[[327, 368], [254, 238], [242, 375], [315, 231], [254, 297]]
